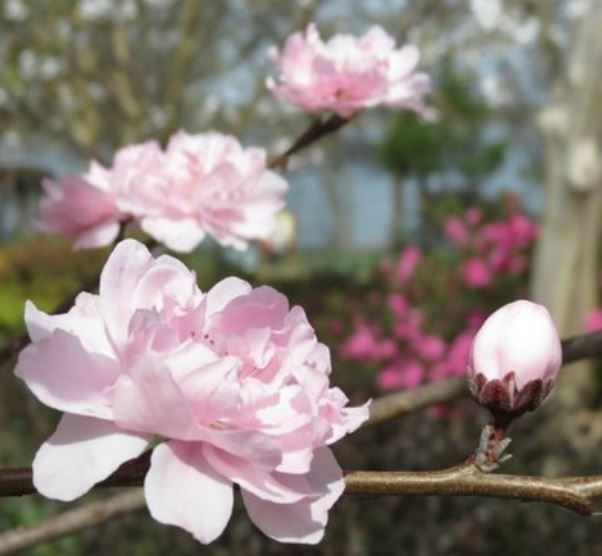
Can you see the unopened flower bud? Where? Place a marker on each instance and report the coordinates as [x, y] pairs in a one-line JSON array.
[[515, 359]]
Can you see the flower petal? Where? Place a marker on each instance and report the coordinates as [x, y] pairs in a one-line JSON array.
[[182, 489], [305, 520], [125, 266], [181, 235], [82, 452], [88, 327], [63, 375]]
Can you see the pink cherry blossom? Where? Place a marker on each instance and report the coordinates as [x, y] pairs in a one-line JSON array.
[[346, 73], [205, 184], [209, 184], [233, 380], [515, 358]]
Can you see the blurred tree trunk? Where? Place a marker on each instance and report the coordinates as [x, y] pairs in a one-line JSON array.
[[565, 271], [338, 200], [397, 218]]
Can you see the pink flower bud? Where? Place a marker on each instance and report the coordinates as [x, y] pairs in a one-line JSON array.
[[515, 358]]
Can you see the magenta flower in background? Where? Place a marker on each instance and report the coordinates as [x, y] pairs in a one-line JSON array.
[[205, 184], [593, 320], [476, 273], [515, 358], [347, 74], [233, 381], [362, 344], [409, 259], [456, 231]]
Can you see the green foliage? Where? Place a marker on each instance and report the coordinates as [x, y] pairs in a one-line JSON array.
[[455, 141]]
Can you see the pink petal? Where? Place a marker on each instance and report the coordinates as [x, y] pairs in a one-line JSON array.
[[148, 399], [82, 452], [88, 328], [303, 521], [99, 236], [181, 235], [63, 375], [121, 273], [182, 489], [255, 478], [223, 292]]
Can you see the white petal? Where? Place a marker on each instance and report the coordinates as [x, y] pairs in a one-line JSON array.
[[182, 489], [303, 521], [82, 452]]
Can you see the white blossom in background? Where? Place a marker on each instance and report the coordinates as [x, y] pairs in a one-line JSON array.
[[487, 13]]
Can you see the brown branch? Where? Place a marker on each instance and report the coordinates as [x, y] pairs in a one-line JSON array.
[[411, 401], [71, 521], [316, 130], [573, 493], [583, 346]]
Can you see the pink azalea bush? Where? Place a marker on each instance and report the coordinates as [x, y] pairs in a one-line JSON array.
[[347, 74], [417, 322], [491, 248], [233, 382], [593, 320], [204, 184]]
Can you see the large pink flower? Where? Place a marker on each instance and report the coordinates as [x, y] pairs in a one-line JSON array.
[[347, 74], [234, 381], [209, 184], [201, 184]]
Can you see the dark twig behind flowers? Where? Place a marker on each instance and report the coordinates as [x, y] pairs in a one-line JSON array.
[[316, 130]]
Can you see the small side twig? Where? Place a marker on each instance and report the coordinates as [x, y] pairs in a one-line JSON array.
[[316, 130]]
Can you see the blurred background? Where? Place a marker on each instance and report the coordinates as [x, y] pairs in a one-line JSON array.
[[400, 235]]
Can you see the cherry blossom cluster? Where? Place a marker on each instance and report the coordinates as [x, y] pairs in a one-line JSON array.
[[205, 184], [232, 383], [347, 74]]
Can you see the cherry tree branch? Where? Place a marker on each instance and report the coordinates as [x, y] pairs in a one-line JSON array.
[[573, 493], [316, 130], [577, 494]]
